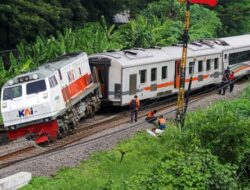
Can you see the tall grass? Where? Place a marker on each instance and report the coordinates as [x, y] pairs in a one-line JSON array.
[[209, 154]]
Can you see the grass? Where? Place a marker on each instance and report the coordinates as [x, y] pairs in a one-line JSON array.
[[143, 153]]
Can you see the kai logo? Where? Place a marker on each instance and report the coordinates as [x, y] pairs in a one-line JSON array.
[[25, 112]]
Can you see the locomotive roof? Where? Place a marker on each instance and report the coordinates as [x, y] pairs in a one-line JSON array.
[[139, 56], [50, 67]]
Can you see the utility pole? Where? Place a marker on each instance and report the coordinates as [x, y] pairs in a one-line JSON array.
[[181, 107]]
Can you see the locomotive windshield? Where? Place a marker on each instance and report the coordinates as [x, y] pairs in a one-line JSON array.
[[12, 92], [36, 87]]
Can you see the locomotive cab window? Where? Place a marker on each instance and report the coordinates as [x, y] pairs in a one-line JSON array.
[[80, 72], [216, 63], [200, 66], [153, 74], [208, 64], [52, 81], [71, 76], [164, 72], [36, 87], [13, 92], [143, 76]]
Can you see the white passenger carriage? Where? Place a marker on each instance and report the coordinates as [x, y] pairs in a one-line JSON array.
[[154, 72]]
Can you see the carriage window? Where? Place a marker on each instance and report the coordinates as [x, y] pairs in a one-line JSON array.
[[35, 87], [164, 72], [208, 64], [143, 74], [200, 66], [191, 68], [13, 92], [153, 74], [216, 63], [52, 81], [239, 57]]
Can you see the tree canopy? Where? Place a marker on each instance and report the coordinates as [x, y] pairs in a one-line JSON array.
[[23, 20], [235, 16], [148, 28]]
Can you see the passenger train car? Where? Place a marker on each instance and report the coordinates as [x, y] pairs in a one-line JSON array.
[[154, 72], [49, 101]]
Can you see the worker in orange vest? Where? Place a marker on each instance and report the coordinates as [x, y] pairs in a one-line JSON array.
[[151, 116], [162, 122], [134, 105]]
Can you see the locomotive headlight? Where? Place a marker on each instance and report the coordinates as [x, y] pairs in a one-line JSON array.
[[45, 95], [35, 76], [10, 82], [4, 104]]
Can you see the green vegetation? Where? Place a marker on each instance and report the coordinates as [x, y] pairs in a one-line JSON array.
[[211, 152], [147, 29], [23, 20], [235, 17]]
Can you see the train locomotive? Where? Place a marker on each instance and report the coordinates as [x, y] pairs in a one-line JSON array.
[[48, 102]]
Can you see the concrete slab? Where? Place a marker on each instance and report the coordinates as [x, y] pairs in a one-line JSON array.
[[15, 181]]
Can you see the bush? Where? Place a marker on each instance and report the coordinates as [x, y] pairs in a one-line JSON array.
[[198, 169]]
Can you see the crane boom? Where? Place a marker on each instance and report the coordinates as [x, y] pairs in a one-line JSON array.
[[180, 113]]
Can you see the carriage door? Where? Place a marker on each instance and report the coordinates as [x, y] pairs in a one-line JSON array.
[[132, 84], [177, 74], [100, 69]]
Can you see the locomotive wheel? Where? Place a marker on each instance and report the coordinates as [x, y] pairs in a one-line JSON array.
[[59, 135]]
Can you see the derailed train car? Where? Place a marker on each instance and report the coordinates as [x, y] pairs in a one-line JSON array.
[[154, 72], [48, 102]]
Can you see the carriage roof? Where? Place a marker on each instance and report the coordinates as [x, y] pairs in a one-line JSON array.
[[196, 49]]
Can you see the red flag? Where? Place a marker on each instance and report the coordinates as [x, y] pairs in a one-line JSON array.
[[211, 3]]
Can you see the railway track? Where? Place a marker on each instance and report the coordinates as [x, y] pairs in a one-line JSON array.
[[86, 130]]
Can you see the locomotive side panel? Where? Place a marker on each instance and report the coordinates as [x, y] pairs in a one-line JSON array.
[[55, 94], [76, 77]]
